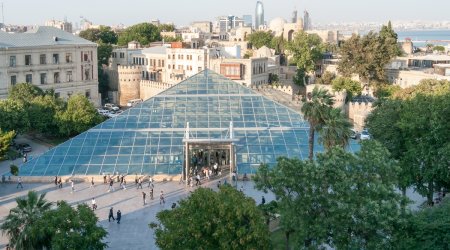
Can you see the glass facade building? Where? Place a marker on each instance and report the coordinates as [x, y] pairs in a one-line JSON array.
[[148, 138]]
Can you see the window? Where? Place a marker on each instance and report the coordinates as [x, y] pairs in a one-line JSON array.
[[85, 57], [12, 61], [159, 63], [69, 76], [13, 80], [55, 58], [88, 94], [43, 59], [122, 55], [29, 78], [114, 55], [168, 56], [27, 60], [56, 77], [162, 63], [43, 78], [68, 57]]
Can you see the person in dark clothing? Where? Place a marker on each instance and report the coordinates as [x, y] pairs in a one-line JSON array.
[[263, 200], [151, 194], [56, 180], [111, 214], [143, 197], [119, 216], [174, 205], [60, 183]]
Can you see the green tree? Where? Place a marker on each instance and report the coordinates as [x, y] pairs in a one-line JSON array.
[[5, 141], [14, 116], [345, 200], [24, 92], [425, 87], [386, 90], [426, 229], [228, 220], [353, 88], [439, 48], [278, 43], [72, 228], [314, 111], [14, 170], [261, 38], [306, 50], [367, 56], [104, 34], [104, 53], [79, 116], [144, 33], [336, 129], [170, 39], [326, 78], [42, 114], [19, 225], [166, 27]]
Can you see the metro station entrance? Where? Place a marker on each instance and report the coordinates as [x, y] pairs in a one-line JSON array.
[[216, 156]]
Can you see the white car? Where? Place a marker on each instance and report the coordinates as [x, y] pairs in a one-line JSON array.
[[111, 106], [364, 135], [102, 111]]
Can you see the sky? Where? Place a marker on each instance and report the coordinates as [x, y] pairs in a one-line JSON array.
[[183, 12]]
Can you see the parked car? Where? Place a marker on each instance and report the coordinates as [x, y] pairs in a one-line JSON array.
[[365, 135], [111, 106], [24, 147], [102, 111]]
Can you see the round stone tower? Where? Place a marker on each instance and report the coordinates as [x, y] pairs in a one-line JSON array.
[[129, 81]]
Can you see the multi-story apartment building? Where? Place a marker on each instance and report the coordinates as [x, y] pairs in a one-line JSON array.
[[50, 59], [62, 25]]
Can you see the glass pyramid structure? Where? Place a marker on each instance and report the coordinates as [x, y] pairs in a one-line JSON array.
[[148, 139]]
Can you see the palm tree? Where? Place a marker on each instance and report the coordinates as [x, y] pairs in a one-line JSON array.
[[336, 130], [314, 110], [18, 225]]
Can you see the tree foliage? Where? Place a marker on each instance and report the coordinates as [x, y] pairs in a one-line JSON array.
[[367, 56], [24, 92], [14, 116], [425, 87], [306, 49], [72, 228], [335, 130], [213, 220], [326, 78], [79, 116], [166, 27], [5, 141], [261, 38], [34, 225], [104, 34], [314, 110], [345, 200], [144, 33], [426, 229], [416, 131], [353, 88], [439, 48], [20, 224], [278, 43]]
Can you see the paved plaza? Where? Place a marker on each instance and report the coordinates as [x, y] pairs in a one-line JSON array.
[[133, 232]]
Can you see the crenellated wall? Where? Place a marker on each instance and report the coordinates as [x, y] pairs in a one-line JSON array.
[[358, 111], [129, 81], [148, 89]]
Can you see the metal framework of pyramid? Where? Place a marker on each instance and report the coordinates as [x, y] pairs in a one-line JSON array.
[[148, 138]]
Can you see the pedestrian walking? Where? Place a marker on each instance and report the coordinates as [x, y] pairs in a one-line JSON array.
[[56, 180], [104, 178], [150, 182], [60, 183], [72, 184], [119, 216], [241, 189], [197, 180], [111, 214], [161, 198], [219, 184], [94, 204], [25, 158], [139, 183], [263, 200], [19, 182], [143, 198], [92, 182], [174, 205], [111, 187], [151, 194]]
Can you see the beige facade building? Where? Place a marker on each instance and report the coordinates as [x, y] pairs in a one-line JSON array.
[[62, 25], [50, 59]]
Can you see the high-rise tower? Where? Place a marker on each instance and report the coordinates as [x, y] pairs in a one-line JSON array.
[[259, 15]]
